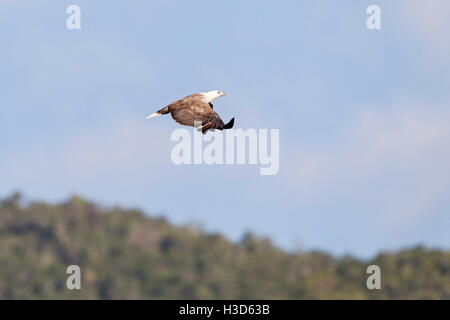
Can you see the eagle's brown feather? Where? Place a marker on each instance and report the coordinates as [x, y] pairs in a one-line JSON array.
[[192, 109], [195, 112]]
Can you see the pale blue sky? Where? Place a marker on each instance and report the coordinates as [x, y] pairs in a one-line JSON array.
[[363, 115]]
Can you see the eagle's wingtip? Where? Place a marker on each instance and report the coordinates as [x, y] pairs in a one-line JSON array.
[[230, 124]]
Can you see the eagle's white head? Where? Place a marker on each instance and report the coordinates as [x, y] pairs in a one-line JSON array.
[[210, 96]]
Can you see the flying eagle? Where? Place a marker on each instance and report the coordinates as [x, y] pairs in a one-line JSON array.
[[196, 108]]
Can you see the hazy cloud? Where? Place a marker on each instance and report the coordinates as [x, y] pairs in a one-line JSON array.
[[129, 148], [408, 148], [430, 19]]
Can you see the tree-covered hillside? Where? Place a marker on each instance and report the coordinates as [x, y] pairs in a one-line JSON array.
[[126, 254]]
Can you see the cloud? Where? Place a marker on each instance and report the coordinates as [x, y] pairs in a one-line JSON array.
[[400, 158], [129, 147], [123, 151], [430, 19]]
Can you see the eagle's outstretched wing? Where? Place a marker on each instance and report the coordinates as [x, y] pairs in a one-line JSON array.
[[193, 111]]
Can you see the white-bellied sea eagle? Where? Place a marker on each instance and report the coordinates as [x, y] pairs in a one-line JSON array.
[[196, 110]]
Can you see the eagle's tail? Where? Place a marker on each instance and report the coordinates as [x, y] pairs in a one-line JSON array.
[[164, 110]]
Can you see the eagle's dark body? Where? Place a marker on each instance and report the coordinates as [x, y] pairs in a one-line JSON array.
[[194, 111]]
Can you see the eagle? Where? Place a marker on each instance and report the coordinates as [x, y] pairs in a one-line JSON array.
[[196, 110]]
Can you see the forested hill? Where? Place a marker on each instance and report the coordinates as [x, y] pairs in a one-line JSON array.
[[126, 254]]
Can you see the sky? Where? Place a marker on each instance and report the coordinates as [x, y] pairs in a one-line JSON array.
[[364, 115]]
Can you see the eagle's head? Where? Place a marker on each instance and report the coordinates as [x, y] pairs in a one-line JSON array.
[[210, 96]]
